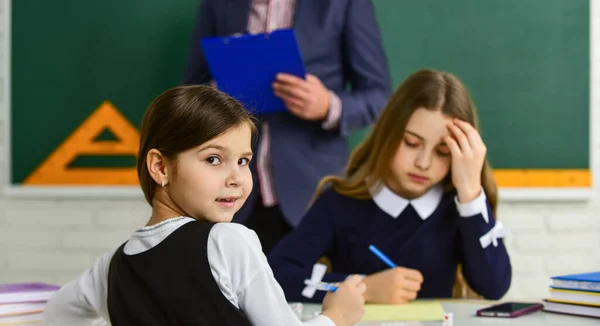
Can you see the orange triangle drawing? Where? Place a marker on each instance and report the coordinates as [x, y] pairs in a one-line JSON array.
[[55, 169]]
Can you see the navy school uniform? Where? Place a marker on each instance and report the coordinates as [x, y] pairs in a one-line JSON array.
[[432, 233]]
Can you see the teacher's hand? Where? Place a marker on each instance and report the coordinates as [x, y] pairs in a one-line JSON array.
[[308, 99]]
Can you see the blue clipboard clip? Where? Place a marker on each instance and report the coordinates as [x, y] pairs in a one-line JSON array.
[[244, 66]]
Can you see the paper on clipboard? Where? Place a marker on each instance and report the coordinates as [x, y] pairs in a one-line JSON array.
[[245, 66]]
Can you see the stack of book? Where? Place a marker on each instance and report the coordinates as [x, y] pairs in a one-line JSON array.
[[23, 303], [575, 294]]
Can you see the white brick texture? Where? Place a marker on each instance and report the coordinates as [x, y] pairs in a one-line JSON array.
[[53, 240]]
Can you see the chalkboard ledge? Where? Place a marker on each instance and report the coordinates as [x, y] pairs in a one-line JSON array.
[[124, 192], [133, 192], [544, 194]]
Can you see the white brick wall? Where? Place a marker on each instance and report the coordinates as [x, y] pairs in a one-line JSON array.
[[53, 240]]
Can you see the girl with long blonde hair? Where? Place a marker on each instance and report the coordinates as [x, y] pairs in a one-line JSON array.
[[420, 189]]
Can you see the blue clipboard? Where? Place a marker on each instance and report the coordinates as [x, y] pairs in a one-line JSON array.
[[245, 66]]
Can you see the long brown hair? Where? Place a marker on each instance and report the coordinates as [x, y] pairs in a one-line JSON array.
[[370, 160], [182, 118]]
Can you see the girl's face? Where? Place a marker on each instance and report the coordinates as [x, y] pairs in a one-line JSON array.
[[423, 159], [213, 180]]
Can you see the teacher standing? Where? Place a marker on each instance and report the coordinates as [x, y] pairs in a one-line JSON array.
[[346, 86]]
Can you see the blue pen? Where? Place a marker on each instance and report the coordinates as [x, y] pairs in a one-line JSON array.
[[381, 256], [322, 286]]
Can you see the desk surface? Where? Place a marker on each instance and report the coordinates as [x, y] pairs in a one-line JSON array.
[[464, 315]]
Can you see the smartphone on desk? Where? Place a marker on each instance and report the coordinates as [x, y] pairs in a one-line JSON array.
[[509, 309]]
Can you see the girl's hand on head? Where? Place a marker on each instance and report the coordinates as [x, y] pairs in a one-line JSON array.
[[393, 286], [345, 306], [468, 155]]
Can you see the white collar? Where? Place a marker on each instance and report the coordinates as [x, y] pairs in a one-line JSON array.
[[394, 205]]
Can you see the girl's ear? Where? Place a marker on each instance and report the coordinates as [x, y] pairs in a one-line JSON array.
[[157, 167]]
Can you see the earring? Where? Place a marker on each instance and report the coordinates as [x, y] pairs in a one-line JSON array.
[[163, 183]]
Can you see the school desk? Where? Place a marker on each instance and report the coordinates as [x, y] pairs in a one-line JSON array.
[[464, 315]]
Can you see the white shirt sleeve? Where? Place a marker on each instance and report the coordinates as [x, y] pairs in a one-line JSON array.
[[83, 300], [246, 279], [474, 207]]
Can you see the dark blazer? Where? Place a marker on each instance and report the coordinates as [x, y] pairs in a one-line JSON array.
[[341, 44]]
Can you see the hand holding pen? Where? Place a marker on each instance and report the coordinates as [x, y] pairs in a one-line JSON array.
[[395, 285], [345, 306], [392, 286]]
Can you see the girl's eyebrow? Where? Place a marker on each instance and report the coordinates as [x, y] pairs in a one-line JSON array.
[[414, 134], [441, 143], [222, 149], [217, 147]]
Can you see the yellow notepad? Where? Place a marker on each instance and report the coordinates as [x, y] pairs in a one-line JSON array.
[[422, 310]]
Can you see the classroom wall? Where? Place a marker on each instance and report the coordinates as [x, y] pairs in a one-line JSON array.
[[54, 239]]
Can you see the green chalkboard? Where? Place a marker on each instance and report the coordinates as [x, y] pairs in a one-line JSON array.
[[526, 63], [70, 56]]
